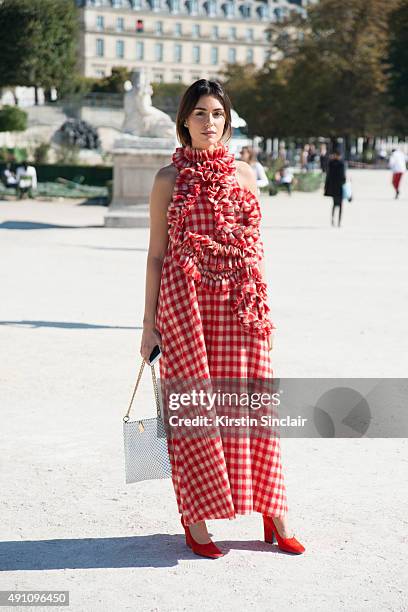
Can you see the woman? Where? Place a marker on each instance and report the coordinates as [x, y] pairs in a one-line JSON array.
[[248, 155], [335, 179], [206, 308]]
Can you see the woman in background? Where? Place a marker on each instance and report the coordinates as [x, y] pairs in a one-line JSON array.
[[248, 155]]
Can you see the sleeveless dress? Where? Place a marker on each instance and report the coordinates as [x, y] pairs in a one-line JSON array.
[[214, 321]]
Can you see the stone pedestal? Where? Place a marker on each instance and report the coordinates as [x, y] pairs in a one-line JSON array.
[[134, 169]]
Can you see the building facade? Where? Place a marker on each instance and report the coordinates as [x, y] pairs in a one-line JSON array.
[[179, 40]]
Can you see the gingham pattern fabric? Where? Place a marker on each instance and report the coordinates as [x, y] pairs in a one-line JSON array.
[[214, 322]]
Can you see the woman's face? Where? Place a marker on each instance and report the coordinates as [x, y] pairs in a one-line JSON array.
[[206, 122]]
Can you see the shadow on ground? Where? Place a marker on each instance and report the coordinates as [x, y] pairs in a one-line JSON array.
[[66, 325], [158, 550]]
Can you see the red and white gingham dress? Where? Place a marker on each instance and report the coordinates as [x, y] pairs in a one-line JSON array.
[[214, 322]]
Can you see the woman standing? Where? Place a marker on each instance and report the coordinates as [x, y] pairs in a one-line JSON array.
[[206, 307], [335, 179]]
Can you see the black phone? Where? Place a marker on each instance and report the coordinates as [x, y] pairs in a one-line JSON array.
[[155, 355]]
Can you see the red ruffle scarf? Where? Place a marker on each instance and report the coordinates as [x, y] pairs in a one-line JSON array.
[[227, 260]]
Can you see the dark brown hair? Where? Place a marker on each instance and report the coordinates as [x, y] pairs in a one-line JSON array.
[[199, 88]]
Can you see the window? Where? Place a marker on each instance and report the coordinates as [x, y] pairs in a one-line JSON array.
[[250, 34], [214, 55], [158, 77], [250, 56], [159, 28], [262, 12], [211, 6], [100, 47], [267, 55], [192, 6], [120, 24], [120, 48], [245, 10], [215, 32], [137, 5], [158, 52], [139, 50], [178, 53], [178, 29], [100, 22], [232, 33], [196, 54], [175, 6], [177, 78], [100, 73], [117, 3], [196, 77], [139, 25], [232, 55], [229, 9], [196, 30]]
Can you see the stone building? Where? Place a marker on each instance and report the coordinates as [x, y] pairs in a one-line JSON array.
[[180, 40]]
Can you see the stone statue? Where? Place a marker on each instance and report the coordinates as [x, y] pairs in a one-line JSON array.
[[141, 118]]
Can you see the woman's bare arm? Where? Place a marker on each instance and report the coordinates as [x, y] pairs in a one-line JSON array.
[[160, 197]]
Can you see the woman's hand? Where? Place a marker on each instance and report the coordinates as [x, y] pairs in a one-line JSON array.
[[270, 341], [150, 337]]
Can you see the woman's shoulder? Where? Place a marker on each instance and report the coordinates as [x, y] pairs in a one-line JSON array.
[[244, 170], [245, 175], [165, 178], [167, 173]]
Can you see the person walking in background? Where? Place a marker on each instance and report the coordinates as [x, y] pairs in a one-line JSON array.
[[248, 155], [324, 158], [398, 166], [335, 179]]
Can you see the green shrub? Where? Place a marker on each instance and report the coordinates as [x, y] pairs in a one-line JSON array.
[[13, 154], [12, 119], [307, 181]]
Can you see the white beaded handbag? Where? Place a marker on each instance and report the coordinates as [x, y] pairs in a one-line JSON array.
[[145, 442]]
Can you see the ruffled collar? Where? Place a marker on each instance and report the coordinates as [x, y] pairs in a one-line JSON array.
[[218, 160], [220, 150]]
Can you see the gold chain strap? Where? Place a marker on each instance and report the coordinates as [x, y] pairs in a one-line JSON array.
[[156, 394]]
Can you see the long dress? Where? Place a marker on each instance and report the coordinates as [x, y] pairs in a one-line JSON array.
[[213, 317]]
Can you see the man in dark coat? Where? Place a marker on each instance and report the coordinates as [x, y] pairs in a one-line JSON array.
[[335, 179]]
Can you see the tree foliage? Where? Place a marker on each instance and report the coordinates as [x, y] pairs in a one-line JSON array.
[[329, 76], [38, 40], [398, 63]]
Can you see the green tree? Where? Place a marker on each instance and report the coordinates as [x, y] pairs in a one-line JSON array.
[[38, 40], [398, 62], [336, 67], [114, 82], [328, 76]]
